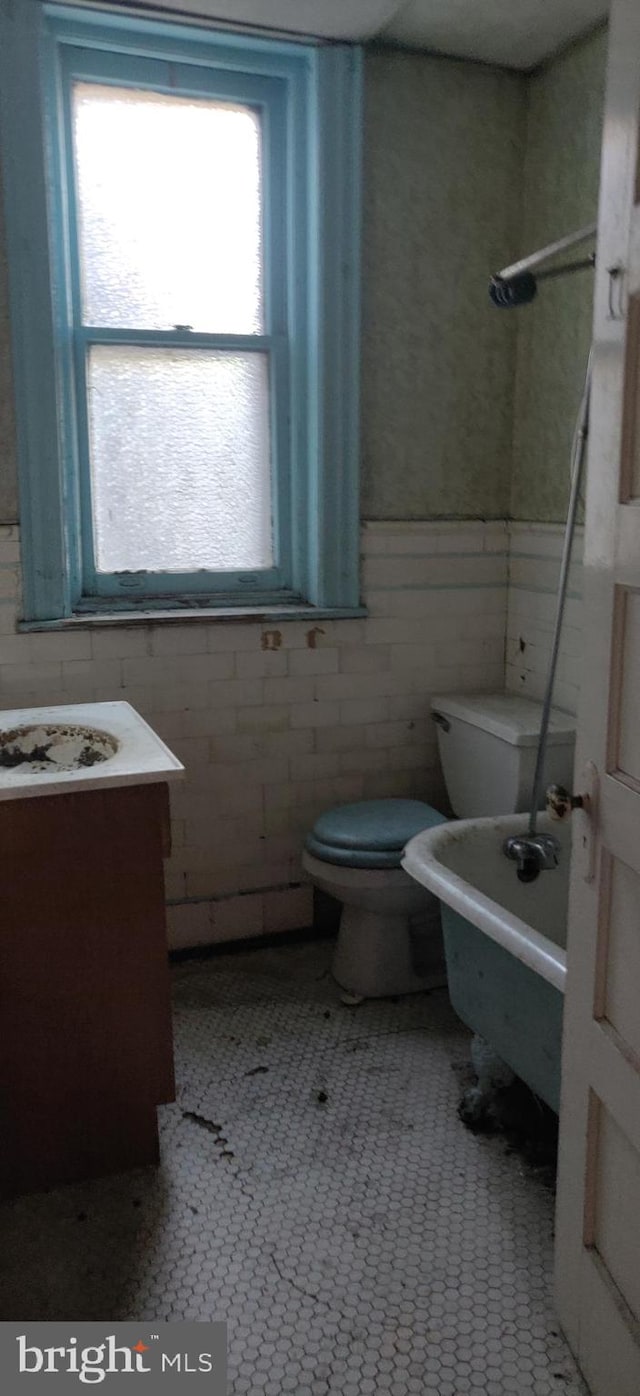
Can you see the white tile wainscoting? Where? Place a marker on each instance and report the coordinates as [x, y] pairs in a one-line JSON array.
[[276, 721], [534, 564]]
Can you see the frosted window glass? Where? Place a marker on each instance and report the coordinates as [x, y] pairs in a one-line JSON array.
[[180, 469], [170, 193]]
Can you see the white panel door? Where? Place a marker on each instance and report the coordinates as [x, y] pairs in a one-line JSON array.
[[598, 1218]]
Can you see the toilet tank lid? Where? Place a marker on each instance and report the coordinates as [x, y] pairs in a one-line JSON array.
[[514, 719]]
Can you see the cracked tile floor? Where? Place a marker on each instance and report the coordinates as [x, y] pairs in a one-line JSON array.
[[318, 1192]]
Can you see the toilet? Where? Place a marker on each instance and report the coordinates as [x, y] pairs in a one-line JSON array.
[[488, 744], [389, 941]]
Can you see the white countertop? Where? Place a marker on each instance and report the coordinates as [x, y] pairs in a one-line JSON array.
[[140, 756]]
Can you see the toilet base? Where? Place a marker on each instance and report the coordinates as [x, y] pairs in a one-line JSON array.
[[390, 938], [374, 955]]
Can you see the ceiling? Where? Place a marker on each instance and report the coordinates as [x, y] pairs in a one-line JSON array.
[[514, 33]]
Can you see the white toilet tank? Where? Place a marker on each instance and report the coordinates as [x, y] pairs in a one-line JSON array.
[[488, 745]]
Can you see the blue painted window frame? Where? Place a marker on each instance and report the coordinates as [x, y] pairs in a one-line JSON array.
[[313, 98]]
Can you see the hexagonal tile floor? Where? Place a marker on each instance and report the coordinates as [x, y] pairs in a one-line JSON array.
[[318, 1191]]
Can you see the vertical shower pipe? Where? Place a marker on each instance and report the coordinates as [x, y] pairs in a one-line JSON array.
[[578, 452]]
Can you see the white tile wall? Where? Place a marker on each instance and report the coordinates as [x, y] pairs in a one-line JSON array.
[[276, 721], [534, 563]]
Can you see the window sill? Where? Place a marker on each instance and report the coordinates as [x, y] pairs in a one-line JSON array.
[[217, 615]]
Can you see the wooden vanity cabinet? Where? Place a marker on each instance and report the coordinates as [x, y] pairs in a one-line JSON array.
[[85, 1022]]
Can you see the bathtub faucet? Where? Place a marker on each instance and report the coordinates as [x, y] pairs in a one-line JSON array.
[[534, 853]]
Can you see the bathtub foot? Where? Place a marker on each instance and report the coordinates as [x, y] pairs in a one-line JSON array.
[[479, 1107]]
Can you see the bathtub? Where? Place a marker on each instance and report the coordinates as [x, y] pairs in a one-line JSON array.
[[504, 940]]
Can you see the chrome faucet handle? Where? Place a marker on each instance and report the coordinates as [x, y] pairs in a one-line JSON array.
[[559, 803], [533, 853]]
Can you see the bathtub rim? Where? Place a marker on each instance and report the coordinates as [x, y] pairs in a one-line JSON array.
[[420, 859]]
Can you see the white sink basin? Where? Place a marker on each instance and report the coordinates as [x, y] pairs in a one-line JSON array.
[[54, 746], [82, 746]]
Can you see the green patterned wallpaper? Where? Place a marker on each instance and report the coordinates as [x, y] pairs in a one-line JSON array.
[[561, 175], [444, 153], [443, 161], [8, 466]]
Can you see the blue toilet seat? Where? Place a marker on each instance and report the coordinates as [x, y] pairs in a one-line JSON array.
[[371, 833]]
